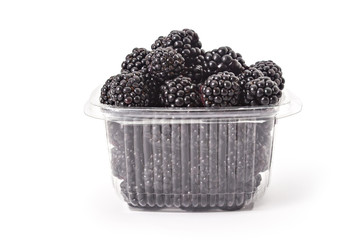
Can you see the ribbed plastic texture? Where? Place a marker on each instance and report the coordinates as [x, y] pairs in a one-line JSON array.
[[214, 164], [191, 158]]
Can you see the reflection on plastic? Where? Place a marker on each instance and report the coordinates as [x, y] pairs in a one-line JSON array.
[[191, 158]]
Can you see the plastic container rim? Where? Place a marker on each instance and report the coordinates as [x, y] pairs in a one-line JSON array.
[[288, 105]]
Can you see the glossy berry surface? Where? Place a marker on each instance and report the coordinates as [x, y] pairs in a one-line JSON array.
[[179, 92], [271, 70], [195, 72], [186, 42], [221, 90], [134, 61], [261, 91], [223, 59], [164, 63], [250, 74], [127, 89]]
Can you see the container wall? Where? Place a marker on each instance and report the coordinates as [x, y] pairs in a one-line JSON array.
[[221, 163]]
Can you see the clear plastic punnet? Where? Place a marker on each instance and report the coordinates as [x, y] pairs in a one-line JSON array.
[[191, 158]]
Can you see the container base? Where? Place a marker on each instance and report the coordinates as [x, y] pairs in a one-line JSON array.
[[191, 209], [191, 202]]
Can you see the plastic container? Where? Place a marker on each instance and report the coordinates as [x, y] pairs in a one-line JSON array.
[[191, 158]]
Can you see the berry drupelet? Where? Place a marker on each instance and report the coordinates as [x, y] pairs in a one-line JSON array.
[[163, 64], [261, 91], [185, 42], [104, 97], [223, 59], [151, 84], [159, 43], [126, 89], [195, 69], [134, 61], [179, 92], [221, 89], [195, 72], [250, 74], [271, 70]]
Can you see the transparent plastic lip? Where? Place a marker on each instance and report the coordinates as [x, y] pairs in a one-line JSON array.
[[288, 105]]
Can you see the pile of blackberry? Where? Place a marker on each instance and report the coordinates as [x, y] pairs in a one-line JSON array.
[[180, 54], [226, 161]]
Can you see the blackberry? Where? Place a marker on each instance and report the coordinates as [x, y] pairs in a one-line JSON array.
[[195, 69], [261, 91], [118, 163], [152, 85], [153, 90], [163, 64], [134, 61], [104, 98], [159, 43], [263, 143], [223, 59], [221, 89], [195, 72], [115, 132], [180, 92], [127, 89], [271, 70], [250, 74], [252, 185], [185, 42]]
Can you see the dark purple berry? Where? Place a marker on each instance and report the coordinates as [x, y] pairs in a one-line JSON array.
[[221, 89], [126, 89], [163, 64], [260, 91], [134, 61], [223, 59], [179, 92], [271, 70], [185, 42]]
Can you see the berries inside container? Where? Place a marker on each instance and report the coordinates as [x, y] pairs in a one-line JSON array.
[[191, 129]]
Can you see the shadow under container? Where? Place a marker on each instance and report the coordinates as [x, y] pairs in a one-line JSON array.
[[191, 158]]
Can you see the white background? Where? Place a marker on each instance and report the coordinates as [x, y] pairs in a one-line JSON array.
[[54, 171]]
